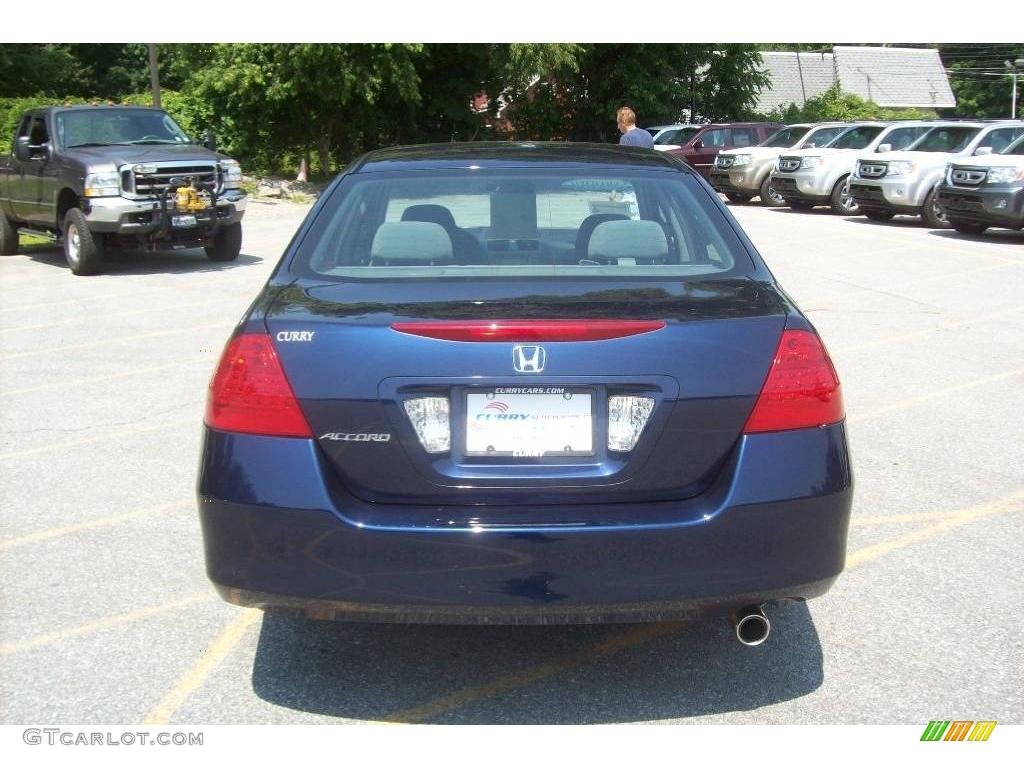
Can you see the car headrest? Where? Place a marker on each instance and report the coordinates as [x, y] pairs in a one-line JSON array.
[[628, 239], [411, 241], [438, 214]]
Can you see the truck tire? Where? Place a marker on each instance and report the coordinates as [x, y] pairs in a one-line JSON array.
[[930, 213], [227, 243], [841, 201], [769, 197], [82, 249], [8, 237], [967, 227], [879, 215]]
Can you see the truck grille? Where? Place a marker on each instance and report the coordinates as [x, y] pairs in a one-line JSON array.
[[967, 177], [169, 175], [872, 170], [723, 162], [866, 193], [789, 164]]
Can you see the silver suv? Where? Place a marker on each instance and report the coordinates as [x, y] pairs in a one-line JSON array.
[[745, 172], [907, 182], [820, 176]]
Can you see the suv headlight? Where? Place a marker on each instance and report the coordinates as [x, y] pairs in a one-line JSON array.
[[810, 162], [1004, 174], [740, 160], [102, 184], [232, 174], [900, 168]]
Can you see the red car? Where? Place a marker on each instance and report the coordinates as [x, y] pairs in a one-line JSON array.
[[702, 144]]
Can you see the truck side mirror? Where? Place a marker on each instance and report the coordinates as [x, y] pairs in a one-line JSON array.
[[983, 151], [210, 141], [882, 148], [21, 150], [698, 144]]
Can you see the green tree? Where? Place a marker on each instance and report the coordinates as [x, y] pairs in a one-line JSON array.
[[836, 104], [33, 69], [980, 81]]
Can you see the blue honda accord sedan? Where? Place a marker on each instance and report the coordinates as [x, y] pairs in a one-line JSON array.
[[523, 383]]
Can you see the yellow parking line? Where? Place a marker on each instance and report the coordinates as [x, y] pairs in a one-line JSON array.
[[198, 673], [65, 530], [1012, 503], [928, 331], [99, 318], [69, 383], [431, 709], [629, 639], [922, 517], [115, 339], [934, 395], [95, 626], [105, 435]]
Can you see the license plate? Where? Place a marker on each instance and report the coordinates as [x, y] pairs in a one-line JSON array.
[[529, 422], [183, 222]]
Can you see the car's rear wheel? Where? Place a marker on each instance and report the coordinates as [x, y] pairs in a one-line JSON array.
[[82, 249], [769, 197], [931, 214], [227, 243], [841, 201], [800, 205], [967, 227], [8, 237], [736, 197], [879, 215]]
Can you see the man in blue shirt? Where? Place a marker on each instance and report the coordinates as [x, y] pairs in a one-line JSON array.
[[632, 135]]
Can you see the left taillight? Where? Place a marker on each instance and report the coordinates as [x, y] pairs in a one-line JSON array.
[[249, 392]]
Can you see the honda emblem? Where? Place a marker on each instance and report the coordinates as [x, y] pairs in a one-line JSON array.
[[528, 359]]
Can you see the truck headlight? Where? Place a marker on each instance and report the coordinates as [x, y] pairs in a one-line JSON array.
[[810, 162], [1004, 174], [232, 174], [102, 184], [740, 160], [900, 168]]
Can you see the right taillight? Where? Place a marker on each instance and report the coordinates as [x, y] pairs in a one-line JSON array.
[[250, 393], [802, 389]]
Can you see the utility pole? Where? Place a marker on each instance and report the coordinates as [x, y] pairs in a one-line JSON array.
[[1015, 67], [154, 75]]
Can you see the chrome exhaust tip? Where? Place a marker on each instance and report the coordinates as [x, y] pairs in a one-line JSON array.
[[752, 626]]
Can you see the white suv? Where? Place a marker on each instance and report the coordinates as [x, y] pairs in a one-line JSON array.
[[820, 176], [745, 172], [907, 182]]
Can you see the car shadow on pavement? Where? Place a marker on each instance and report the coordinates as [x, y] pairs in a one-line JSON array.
[[141, 262], [1004, 236], [820, 210], [535, 675]]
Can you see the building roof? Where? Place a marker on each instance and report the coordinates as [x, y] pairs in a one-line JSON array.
[[890, 77]]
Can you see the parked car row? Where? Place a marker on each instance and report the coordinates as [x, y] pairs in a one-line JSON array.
[[964, 174]]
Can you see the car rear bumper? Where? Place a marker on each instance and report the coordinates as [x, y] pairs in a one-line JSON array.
[[280, 533]]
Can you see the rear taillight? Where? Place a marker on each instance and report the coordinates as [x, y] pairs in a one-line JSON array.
[[250, 393], [802, 389], [529, 330]]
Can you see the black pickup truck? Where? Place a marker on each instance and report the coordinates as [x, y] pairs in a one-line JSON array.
[[104, 176]]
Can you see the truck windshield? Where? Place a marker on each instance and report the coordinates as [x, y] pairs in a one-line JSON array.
[[944, 139], [785, 137], [856, 138], [98, 127]]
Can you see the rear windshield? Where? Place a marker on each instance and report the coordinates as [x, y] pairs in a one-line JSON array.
[[856, 138], [945, 139], [520, 223]]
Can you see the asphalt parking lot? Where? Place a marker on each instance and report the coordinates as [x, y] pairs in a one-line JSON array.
[[106, 615]]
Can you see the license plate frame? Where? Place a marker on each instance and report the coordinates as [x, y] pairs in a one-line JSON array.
[[184, 221], [567, 415]]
